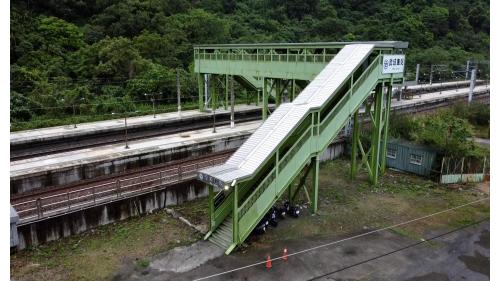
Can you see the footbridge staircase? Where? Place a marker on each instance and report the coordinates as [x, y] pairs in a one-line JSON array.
[[245, 187]]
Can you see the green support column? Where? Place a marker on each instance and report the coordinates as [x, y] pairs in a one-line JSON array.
[[265, 95], [235, 214], [376, 134], [213, 93], [226, 87], [293, 89], [211, 206], [278, 89], [201, 82], [315, 183], [387, 113], [354, 148]]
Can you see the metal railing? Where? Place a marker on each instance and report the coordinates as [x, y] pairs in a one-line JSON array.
[[341, 103], [314, 58], [293, 150], [256, 193], [69, 201]]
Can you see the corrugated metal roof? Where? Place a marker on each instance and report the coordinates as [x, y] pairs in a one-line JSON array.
[[261, 144]]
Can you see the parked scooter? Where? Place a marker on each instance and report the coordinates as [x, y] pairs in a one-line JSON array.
[[293, 211]]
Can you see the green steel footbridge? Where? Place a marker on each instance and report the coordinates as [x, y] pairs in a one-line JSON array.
[[329, 82]]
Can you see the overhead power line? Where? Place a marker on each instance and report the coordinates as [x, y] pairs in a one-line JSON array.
[[399, 250], [345, 239]]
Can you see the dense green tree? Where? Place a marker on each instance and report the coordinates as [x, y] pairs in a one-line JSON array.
[[111, 50]]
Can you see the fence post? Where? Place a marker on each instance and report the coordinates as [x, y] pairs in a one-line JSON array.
[[462, 170], [67, 198], [484, 168], [441, 173], [93, 193], [118, 183], [39, 207]]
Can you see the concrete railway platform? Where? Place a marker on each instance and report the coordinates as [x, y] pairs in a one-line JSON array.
[[69, 192], [45, 141]]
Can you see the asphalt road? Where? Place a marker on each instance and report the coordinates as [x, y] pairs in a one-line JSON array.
[[461, 255]]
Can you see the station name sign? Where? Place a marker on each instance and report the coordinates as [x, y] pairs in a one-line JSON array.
[[210, 180], [393, 64]]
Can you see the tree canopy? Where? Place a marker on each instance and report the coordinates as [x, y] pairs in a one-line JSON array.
[[112, 49]]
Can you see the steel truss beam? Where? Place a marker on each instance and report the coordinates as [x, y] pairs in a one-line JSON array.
[[374, 158]]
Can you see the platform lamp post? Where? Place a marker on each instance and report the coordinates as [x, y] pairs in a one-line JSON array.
[[213, 114], [153, 101], [126, 127], [430, 77], [126, 133], [178, 93], [440, 81]]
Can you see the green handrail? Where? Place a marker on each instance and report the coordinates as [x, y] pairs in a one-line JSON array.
[[314, 58], [245, 206], [326, 120]]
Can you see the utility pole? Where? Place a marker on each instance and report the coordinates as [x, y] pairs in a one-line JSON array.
[[153, 101], [232, 102], [126, 134], [417, 72], [467, 70], [178, 93], [154, 105], [430, 77], [472, 84], [74, 120]]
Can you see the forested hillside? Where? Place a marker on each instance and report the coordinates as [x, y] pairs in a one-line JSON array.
[[101, 55]]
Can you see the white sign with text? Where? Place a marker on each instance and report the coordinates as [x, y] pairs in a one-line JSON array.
[[393, 64]]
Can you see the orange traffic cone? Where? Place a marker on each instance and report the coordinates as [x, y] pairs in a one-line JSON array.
[[269, 264], [285, 254]]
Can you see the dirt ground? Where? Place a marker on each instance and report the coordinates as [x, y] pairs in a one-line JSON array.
[[348, 208], [345, 207], [97, 254]]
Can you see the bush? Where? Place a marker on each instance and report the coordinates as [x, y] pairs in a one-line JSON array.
[[446, 131], [476, 113]]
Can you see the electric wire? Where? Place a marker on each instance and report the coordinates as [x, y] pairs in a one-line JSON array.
[[399, 250], [345, 239]]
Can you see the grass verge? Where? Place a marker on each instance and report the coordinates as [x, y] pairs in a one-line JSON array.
[[98, 254]]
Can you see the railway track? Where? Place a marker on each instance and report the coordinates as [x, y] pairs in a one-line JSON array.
[[60, 200], [53, 201], [36, 149]]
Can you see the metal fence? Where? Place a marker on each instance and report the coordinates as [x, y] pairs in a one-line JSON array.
[[463, 169], [48, 206]]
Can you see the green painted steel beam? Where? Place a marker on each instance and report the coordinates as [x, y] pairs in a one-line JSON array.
[[301, 147], [354, 144], [315, 183], [201, 82], [376, 134], [265, 98], [265, 68], [226, 91], [387, 112], [235, 215], [319, 45]]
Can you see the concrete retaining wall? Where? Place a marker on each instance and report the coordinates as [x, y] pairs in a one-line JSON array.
[[80, 221], [104, 167]]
